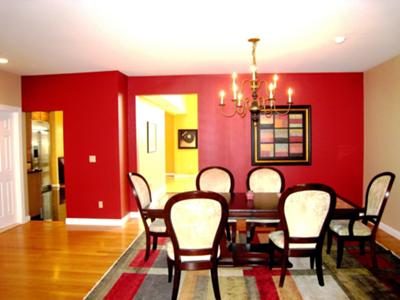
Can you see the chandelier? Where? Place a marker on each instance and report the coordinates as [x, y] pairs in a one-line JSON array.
[[256, 104]]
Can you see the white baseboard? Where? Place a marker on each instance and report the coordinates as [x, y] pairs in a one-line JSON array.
[[134, 215], [97, 222], [390, 230]]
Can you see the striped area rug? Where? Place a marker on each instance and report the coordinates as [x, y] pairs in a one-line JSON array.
[[132, 278]]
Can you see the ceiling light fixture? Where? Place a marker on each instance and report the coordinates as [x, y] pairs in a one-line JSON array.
[[256, 104], [340, 39], [3, 60]]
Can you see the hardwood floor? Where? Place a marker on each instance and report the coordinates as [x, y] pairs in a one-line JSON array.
[[51, 260]]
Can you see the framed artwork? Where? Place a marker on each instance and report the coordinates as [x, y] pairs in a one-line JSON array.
[[282, 139], [187, 138], [151, 137]]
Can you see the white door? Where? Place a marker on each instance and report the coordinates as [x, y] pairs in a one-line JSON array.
[[8, 213]]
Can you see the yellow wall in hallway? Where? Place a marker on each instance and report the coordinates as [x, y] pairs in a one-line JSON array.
[[169, 143], [186, 161]]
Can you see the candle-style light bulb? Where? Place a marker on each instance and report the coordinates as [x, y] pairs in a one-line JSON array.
[[290, 92], [221, 97], [271, 88], [275, 80], [240, 97], [234, 86]]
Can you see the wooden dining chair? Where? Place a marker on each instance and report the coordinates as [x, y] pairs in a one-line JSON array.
[[263, 180], [378, 192], [195, 222], [153, 227], [305, 212], [220, 180]]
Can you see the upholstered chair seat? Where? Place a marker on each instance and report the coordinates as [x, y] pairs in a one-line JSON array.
[[278, 238], [377, 195], [142, 194], [195, 222], [157, 226], [305, 211], [170, 253], [341, 227]]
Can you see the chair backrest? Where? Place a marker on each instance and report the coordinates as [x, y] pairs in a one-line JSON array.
[[305, 212], [265, 180], [140, 189], [216, 179], [378, 192], [195, 222]]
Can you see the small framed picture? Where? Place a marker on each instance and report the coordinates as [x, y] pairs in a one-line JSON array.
[[187, 138]]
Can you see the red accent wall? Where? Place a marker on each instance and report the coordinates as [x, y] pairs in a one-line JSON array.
[[336, 101], [91, 126]]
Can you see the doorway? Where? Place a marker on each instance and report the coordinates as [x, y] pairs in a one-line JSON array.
[[45, 160], [168, 169]]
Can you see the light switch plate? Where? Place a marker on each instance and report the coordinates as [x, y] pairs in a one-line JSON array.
[[92, 158]]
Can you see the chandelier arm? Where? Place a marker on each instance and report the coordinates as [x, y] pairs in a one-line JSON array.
[[229, 115], [283, 113]]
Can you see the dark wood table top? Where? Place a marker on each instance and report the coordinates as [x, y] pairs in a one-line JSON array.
[[263, 205]]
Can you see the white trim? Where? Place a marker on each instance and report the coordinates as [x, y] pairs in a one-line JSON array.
[[390, 230], [18, 161], [97, 222], [134, 215]]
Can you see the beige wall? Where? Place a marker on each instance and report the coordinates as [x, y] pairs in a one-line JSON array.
[[382, 135], [10, 89]]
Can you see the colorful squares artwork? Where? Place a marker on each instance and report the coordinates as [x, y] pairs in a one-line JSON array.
[[267, 150], [281, 121], [296, 149], [281, 135], [266, 120], [266, 135], [296, 120], [282, 138], [281, 150], [295, 135]]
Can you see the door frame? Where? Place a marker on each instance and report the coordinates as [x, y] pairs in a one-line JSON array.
[[20, 174]]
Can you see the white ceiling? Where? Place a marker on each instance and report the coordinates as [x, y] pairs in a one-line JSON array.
[[145, 37]]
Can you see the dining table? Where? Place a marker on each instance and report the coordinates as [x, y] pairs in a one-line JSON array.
[[261, 206]]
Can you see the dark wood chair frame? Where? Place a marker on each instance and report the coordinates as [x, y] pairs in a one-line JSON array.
[[144, 217], [372, 219], [315, 253], [251, 225], [231, 189], [212, 264]]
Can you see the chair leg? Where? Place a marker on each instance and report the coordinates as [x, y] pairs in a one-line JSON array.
[[362, 247], [340, 246], [250, 231], [228, 231], [312, 262], [170, 264], [214, 278], [146, 257], [155, 238], [319, 269], [177, 278], [373, 253], [329, 242], [271, 257], [285, 258], [234, 228]]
